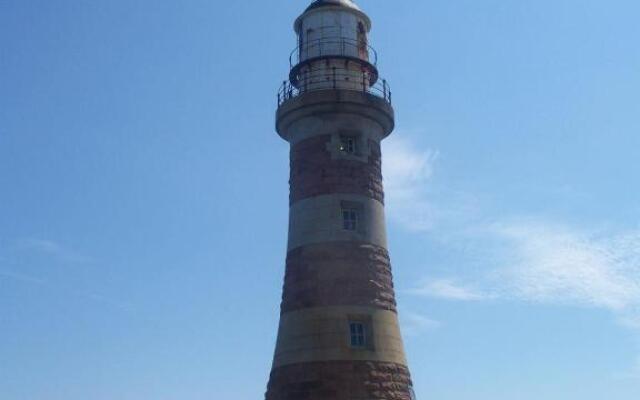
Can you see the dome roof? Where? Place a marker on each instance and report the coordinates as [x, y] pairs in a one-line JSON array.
[[347, 5], [324, 3]]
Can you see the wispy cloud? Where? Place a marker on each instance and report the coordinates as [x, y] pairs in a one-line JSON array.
[[406, 168], [448, 290], [48, 253], [414, 324], [21, 277], [406, 172], [414, 199], [43, 245], [544, 262], [547, 262], [531, 258], [51, 248]]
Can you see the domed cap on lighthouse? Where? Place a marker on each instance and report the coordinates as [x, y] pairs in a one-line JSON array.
[[325, 3], [340, 6]]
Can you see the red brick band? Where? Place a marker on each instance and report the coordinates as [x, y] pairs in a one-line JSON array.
[[340, 380], [314, 172], [336, 274]]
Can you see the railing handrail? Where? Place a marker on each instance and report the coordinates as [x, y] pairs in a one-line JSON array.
[[336, 78], [372, 54]]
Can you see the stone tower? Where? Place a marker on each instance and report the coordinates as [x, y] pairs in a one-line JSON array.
[[339, 337]]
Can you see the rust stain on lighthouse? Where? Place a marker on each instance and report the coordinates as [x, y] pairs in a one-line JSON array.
[[339, 337]]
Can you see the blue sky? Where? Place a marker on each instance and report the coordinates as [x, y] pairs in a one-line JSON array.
[[143, 196]]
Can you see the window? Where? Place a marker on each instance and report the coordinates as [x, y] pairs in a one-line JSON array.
[[349, 219], [358, 337], [348, 144], [311, 43]]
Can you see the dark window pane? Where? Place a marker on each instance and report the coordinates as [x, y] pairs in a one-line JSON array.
[[348, 145], [350, 219], [357, 334]]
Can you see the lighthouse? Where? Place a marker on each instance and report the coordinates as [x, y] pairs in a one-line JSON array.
[[338, 337]]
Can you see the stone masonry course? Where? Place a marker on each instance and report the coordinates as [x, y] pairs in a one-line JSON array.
[[338, 273], [340, 380], [315, 172]]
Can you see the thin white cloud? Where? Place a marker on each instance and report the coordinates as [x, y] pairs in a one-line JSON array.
[[414, 324], [51, 248], [545, 262], [448, 290], [528, 259], [414, 200], [407, 169], [406, 173], [49, 251], [42, 245], [631, 319], [21, 277]]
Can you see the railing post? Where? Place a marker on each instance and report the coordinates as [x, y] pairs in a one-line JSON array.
[[384, 88], [364, 86]]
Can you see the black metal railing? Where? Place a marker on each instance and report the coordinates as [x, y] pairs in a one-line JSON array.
[[334, 79], [333, 46]]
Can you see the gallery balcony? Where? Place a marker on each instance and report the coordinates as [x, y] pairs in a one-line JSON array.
[[334, 78]]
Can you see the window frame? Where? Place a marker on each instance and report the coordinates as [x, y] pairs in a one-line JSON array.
[[349, 144], [350, 219], [358, 334]]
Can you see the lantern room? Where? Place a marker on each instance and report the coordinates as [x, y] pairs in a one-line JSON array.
[[333, 47], [333, 27]]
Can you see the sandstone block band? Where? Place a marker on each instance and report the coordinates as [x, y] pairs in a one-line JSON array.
[[340, 380], [317, 168], [338, 274]]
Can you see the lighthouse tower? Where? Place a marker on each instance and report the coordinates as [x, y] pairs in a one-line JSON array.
[[339, 337]]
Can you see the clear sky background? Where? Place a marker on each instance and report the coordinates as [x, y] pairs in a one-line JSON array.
[[143, 196]]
